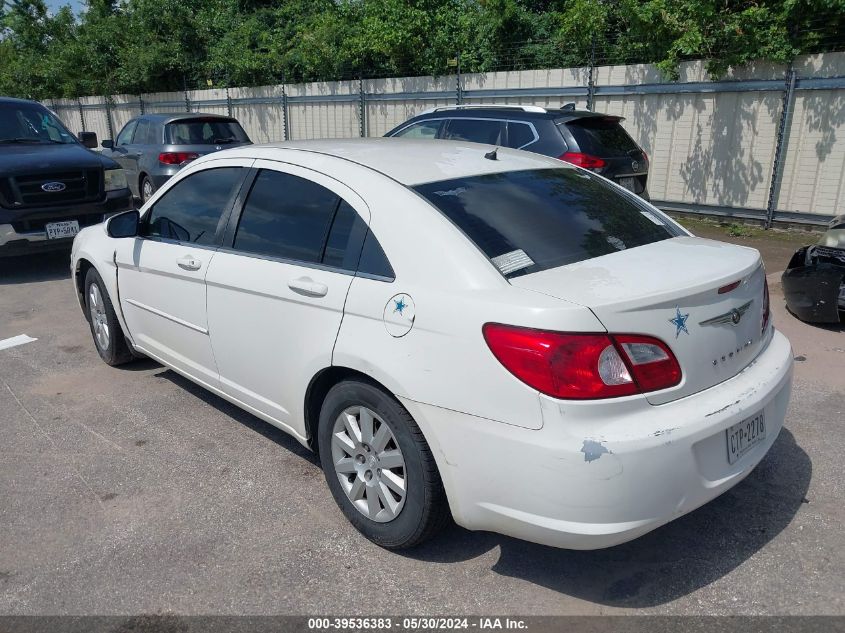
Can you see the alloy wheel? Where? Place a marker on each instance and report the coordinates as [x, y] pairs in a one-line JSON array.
[[369, 464], [99, 320]]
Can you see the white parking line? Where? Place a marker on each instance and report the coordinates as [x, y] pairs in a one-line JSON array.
[[20, 339]]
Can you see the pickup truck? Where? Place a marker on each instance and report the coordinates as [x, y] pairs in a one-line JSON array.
[[51, 184]]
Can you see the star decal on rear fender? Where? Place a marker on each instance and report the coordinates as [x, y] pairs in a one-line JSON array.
[[680, 322], [399, 315]]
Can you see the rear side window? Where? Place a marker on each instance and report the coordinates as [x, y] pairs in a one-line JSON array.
[[486, 131], [286, 216], [520, 134], [373, 260], [205, 132], [191, 209], [424, 129], [528, 221], [142, 132], [602, 136], [343, 247]]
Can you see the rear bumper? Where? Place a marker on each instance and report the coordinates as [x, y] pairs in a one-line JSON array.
[[22, 242], [585, 482], [159, 177]]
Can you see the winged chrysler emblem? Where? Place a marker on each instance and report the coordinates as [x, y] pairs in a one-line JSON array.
[[733, 317]]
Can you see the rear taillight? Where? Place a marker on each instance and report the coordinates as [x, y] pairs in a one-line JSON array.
[[576, 366], [587, 161], [766, 310], [176, 158]]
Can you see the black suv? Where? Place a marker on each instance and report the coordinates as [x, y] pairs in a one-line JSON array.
[[588, 139], [51, 185]]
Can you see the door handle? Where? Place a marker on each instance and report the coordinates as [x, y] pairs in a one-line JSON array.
[[189, 262], [308, 287]]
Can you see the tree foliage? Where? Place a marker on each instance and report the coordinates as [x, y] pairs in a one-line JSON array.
[[134, 46]]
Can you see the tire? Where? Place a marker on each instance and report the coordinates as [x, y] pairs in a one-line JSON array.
[[389, 523], [146, 189], [105, 328]]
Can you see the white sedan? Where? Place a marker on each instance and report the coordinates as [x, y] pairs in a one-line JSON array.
[[456, 329]]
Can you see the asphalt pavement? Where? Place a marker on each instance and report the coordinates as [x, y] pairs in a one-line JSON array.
[[132, 491]]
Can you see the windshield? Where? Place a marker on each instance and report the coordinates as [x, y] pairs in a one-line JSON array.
[[205, 132], [31, 123], [528, 221]]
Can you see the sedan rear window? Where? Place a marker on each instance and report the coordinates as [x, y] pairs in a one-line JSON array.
[[528, 221], [204, 132], [602, 136]]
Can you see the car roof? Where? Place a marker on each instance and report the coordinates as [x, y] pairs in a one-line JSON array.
[[170, 117], [16, 100], [496, 111], [408, 161]]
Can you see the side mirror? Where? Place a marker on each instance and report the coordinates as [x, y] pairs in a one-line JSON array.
[[107, 143], [88, 139], [123, 224]]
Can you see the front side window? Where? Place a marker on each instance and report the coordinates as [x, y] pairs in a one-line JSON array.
[[486, 131], [423, 129], [528, 221], [286, 216], [191, 210], [125, 136]]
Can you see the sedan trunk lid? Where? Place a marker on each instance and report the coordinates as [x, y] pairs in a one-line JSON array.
[[680, 291]]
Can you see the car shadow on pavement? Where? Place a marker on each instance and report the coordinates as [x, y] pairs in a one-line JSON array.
[[24, 269], [253, 423], [666, 564]]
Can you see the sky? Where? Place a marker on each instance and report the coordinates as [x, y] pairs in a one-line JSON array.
[[55, 5]]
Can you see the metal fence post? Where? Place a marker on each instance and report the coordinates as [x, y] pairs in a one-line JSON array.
[[285, 128], [81, 116], [185, 91], [228, 101], [141, 103], [782, 142], [591, 84], [108, 116], [459, 93], [362, 108]]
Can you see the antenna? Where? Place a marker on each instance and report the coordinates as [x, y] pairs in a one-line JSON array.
[[492, 154]]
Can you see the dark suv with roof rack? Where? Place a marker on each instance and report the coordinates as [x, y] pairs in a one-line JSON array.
[[51, 184], [597, 142]]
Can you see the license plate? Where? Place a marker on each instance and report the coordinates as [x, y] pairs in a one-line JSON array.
[[629, 183], [58, 230], [744, 436]]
